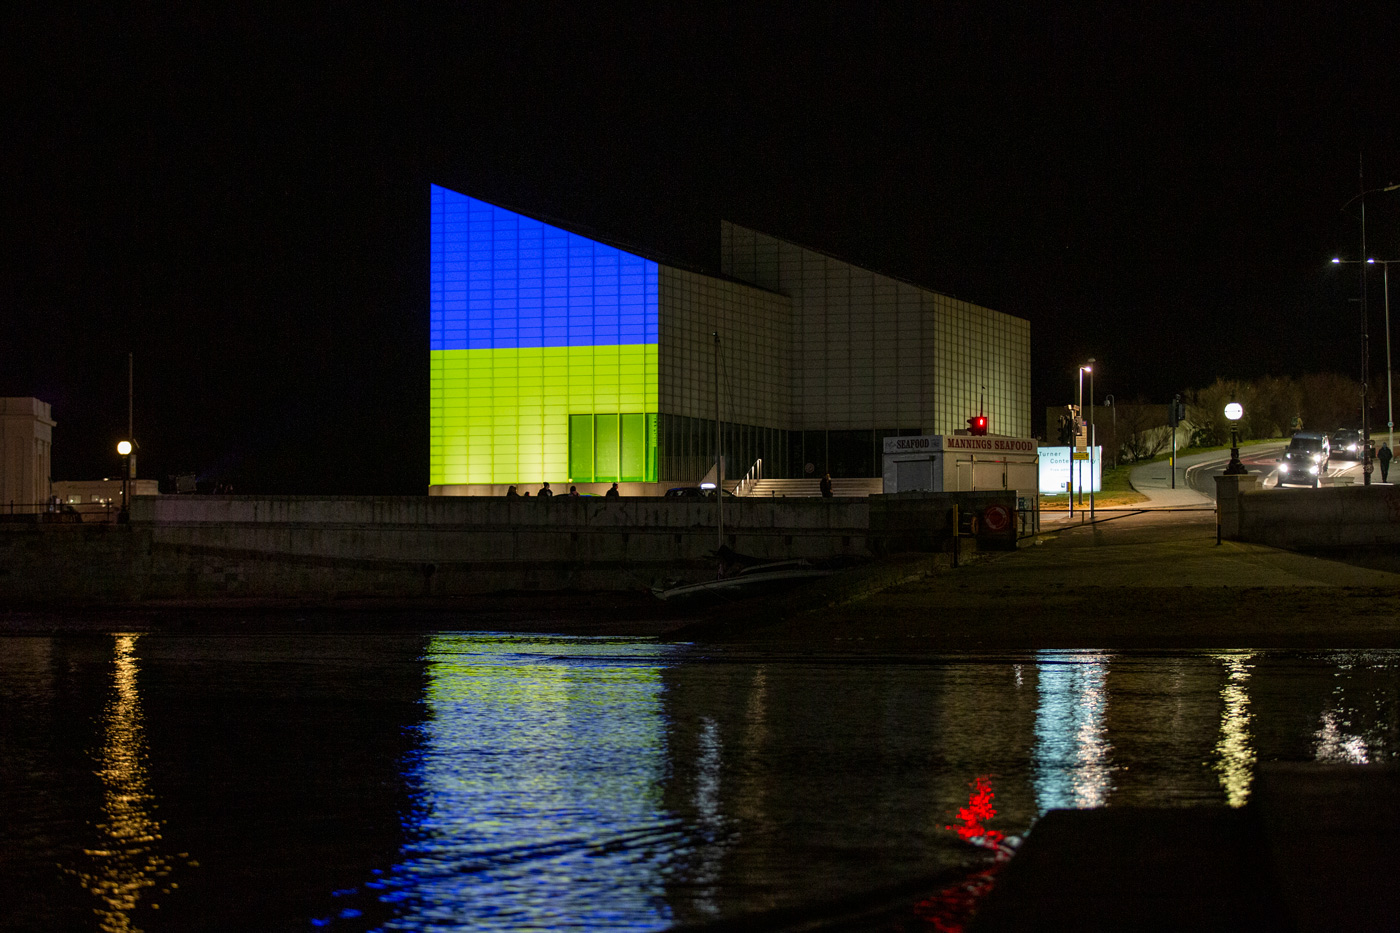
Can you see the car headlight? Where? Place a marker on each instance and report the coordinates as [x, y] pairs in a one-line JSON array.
[[1283, 468], [1351, 447], [1313, 468], [1317, 457]]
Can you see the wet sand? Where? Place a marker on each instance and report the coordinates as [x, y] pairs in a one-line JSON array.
[[1136, 581]]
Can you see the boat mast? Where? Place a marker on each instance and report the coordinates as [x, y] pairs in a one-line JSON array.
[[719, 451]]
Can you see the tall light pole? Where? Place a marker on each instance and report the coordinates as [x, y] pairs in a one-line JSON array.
[[1389, 393], [1365, 331], [1108, 403], [1087, 368], [1093, 436]]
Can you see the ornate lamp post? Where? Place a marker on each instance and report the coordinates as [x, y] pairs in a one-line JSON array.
[[1235, 411], [124, 448]]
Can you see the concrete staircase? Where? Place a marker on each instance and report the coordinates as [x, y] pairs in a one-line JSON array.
[[841, 486]]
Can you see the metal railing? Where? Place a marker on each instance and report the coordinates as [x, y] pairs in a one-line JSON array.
[[751, 478], [54, 512]]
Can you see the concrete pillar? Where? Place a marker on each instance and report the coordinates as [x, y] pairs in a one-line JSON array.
[[1228, 512]]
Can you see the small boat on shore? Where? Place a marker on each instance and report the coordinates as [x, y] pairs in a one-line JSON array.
[[757, 580]]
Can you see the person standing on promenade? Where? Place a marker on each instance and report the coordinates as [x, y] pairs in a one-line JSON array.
[[546, 492], [612, 493], [1384, 457], [826, 486]]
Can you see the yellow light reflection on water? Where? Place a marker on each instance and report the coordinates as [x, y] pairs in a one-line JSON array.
[[1235, 755], [127, 865]]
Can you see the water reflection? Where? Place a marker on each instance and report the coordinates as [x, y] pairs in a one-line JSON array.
[[1350, 731], [539, 801], [1071, 760], [483, 782], [128, 866], [1235, 755]]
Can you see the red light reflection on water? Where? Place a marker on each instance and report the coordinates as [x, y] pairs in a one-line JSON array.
[[951, 909], [978, 811]]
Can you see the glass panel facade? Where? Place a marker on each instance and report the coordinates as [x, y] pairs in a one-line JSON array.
[[530, 325], [612, 448], [605, 449], [686, 447], [581, 448], [632, 449]]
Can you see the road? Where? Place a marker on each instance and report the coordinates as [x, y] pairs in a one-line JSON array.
[[1262, 459]]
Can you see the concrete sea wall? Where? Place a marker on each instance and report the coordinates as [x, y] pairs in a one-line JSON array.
[[322, 547], [1301, 518], [183, 547]]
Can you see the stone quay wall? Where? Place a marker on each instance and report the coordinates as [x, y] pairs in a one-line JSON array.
[[294, 547], [1302, 518], [412, 547]]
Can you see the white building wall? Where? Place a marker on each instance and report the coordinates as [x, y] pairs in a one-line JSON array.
[[875, 352], [755, 328], [26, 440]]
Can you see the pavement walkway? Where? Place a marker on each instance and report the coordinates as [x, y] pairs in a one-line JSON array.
[[1154, 480]]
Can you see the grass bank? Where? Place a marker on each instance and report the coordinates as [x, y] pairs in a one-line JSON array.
[[1116, 491]]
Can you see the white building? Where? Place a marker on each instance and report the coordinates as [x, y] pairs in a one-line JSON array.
[[26, 440]]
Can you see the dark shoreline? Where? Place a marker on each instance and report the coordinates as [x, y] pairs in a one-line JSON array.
[[1146, 583]]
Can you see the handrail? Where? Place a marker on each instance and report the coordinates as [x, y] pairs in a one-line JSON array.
[[752, 477]]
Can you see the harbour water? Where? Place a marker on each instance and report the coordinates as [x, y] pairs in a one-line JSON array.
[[477, 781]]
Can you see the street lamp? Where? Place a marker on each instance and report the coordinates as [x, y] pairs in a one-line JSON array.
[[1087, 368], [1108, 403], [124, 448], [1235, 411], [1366, 336], [1389, 395]]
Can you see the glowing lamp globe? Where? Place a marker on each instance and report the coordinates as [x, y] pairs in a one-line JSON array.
[[124, 448], [1234, 411]]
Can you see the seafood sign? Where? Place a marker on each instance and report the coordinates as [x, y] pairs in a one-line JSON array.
[[935, 442]]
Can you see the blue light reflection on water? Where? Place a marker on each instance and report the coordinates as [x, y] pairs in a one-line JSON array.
[[1071, 759], [538, 783]]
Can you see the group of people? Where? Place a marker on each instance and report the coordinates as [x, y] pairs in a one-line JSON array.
[[547, 493], [573, 493]]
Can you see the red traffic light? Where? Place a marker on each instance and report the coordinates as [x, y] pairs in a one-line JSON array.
[[977, 425]]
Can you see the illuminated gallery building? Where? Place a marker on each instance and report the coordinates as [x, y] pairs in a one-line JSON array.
[[559, 358]]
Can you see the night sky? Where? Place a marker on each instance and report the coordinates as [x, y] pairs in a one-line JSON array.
[[241, 200]]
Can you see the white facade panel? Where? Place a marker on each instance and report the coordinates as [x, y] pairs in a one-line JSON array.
[[756, 347], [875, 352]]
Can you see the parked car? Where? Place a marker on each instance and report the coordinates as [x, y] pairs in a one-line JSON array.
[[696, 492], [1305, 460], [1348, 444]]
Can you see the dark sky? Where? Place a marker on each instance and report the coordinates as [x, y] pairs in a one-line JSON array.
[[241, 200]]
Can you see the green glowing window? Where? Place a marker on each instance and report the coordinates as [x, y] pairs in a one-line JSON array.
[[612, 448]]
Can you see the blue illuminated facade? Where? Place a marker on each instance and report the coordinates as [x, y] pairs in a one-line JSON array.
[[502, 280], [543, 351]]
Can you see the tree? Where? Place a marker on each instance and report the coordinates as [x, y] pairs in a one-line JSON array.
[[1143, 430], [1329, 402], [1280, 401], [1205, 409]]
